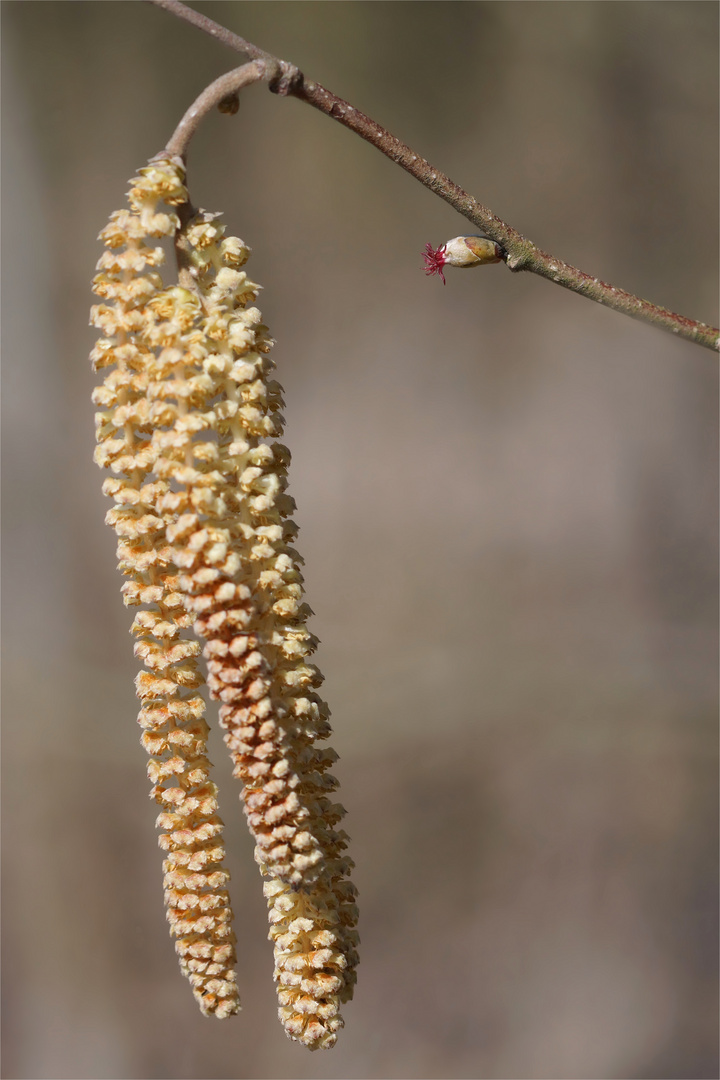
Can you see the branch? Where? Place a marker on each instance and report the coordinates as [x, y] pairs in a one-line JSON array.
[[223, 94], [518, 252]]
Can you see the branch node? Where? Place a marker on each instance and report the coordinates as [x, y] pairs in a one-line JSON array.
[[273, 70], [515, 261], [286, 80]]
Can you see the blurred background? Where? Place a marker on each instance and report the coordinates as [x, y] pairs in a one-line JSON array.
[[507, 501]]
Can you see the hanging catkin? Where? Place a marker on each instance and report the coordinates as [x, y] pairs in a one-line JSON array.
[[172, 713], [191, 415]]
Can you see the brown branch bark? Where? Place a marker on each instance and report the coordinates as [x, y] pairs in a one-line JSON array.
[[219, 93], [519, 252]]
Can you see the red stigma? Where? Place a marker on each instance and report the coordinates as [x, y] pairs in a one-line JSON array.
[[434, 260]]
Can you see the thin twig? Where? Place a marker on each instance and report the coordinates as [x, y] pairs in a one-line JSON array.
[[221, 91], [234, 41], [520, 253]]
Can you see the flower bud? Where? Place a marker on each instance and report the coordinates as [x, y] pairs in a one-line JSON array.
[[461, 251]]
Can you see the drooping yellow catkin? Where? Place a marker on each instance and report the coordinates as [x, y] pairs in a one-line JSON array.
[[172, 713], [228, 521], [205, 531]]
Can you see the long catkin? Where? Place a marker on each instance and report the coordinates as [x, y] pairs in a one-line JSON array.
[[217, 531], [172, 713]]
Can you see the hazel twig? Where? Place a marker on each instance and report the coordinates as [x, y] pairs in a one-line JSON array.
[[519, 253]]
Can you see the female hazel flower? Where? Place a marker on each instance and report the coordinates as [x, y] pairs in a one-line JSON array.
[[463, 251]]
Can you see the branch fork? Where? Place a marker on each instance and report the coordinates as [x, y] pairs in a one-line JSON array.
[[519, 253]]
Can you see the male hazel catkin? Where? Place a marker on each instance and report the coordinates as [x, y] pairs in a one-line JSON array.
[[188, 415]]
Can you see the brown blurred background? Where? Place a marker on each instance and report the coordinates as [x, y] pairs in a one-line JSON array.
[[507, 500]]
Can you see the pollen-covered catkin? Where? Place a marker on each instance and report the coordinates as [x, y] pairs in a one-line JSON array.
[[228, 522], [190, 415], [172, 712]]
